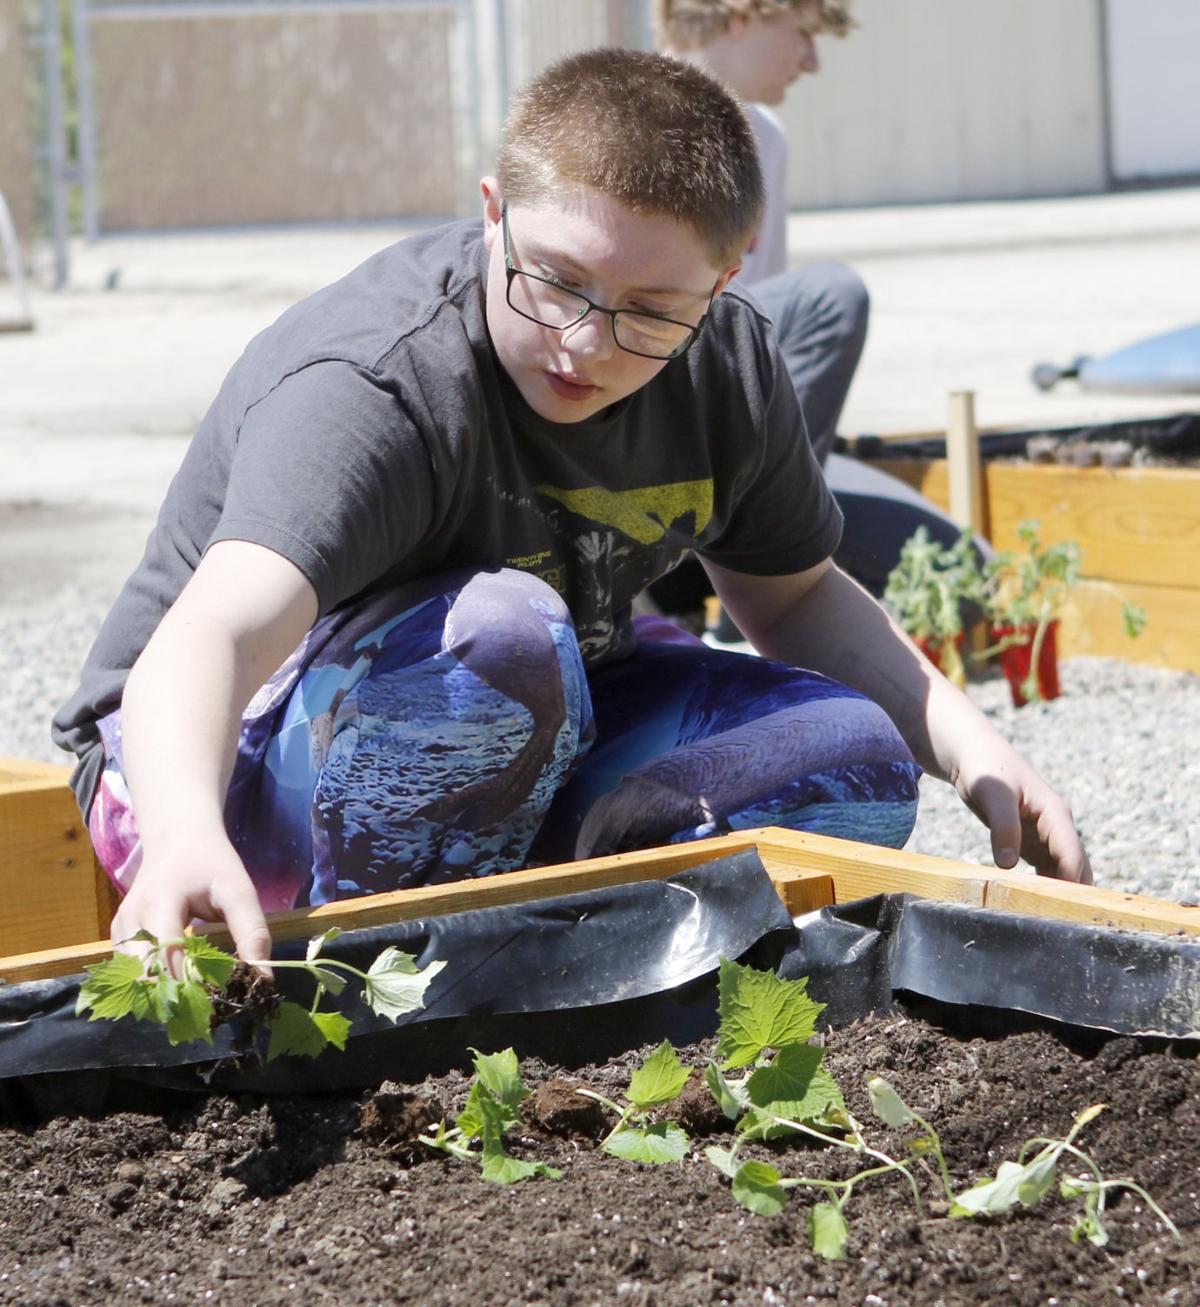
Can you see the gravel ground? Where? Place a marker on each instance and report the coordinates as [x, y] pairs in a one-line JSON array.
[[1119, 744]]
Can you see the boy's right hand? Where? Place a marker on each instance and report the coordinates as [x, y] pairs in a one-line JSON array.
[[205, 881]]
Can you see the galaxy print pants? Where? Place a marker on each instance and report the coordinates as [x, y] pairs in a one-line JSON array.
[[449, 729]]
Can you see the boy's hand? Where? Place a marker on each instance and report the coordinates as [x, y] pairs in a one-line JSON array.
[[205, 881], [1026, 817]]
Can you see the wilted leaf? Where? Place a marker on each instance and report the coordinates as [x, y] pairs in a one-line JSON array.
[[318, 942], [991, 1196], [333, 981], [1038, 1177], [659, 1079], [828, 1230], [887, 1105]]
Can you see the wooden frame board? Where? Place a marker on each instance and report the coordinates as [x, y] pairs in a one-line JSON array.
[[809, 872]]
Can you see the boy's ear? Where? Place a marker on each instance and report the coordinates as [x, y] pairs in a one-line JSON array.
[[489, 188], [725, 278]]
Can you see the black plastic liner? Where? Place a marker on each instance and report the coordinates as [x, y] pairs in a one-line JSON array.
[[1175, 436], [584, 976]]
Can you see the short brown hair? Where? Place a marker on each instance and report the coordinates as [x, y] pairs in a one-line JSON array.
[[656, 133], [690, 24]]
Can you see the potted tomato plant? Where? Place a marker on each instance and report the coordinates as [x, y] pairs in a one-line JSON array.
[[928, 591], [1026, 590]]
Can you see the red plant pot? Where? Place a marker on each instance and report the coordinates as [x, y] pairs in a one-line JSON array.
[[1017, 657]]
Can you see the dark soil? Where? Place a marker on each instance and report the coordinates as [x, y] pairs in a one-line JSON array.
[[316, 1200]]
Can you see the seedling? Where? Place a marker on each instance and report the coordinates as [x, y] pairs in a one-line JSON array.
[[788, 1093], [637, 1137], [927, 590], [144, 987], [493, 1106], [1027, 589], [1028, 1182]]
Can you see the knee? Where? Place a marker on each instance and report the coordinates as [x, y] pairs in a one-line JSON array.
[[514, 631], [847, 296]]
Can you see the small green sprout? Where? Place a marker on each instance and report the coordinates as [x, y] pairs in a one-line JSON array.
[[144, 987], [493, 1106], [637, 1137]]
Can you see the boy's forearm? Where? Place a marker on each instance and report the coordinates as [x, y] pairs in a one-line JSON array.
[[838, 629]]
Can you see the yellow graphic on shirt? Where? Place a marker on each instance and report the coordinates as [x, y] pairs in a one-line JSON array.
[[644, 515]]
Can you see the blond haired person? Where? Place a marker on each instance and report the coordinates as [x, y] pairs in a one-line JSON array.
[[758, 48]]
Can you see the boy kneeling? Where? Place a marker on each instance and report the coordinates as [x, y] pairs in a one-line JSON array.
[[381, 634]]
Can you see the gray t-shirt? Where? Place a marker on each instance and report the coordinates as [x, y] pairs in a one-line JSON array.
[[371, 437]]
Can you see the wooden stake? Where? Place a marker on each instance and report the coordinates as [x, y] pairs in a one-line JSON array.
[[962, 457]]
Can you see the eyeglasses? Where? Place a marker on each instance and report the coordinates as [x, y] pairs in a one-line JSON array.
[[550, 304]]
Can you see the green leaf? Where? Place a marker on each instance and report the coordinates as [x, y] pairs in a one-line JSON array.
[[296, 1032], [207, 963], [500, 1074], [662, 1142], [795, 1085], [659, 1079], [990, 1197], [756, 1186], [484, 1116], [191, 1014], [395, 985], [731, 1096], [1089, 1226], [722, 1159], [318, 942], [828, 1230], [114, 988], [333, 981], [758, 1010], [333, 1026], [500, 1168], [887, 1105]]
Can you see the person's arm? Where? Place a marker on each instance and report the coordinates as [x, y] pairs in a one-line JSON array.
[[821, 619], [243, 611]]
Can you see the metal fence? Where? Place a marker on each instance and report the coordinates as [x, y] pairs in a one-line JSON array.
[[210, 113]]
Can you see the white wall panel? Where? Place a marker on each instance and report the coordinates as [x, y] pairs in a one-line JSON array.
[[1154, 81], [949, 100]]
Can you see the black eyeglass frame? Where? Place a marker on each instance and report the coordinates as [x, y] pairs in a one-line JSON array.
[[511, 272]]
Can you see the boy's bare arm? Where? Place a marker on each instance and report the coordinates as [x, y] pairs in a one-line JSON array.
[[244, 610], [823, 620]]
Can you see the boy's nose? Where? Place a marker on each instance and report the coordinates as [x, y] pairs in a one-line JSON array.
[[590, 337]]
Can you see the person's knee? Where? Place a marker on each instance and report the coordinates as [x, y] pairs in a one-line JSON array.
[[847, 296]]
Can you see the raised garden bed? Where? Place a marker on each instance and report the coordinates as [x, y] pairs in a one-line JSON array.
[[164, 1196], [1138, 527], [278, 1201]]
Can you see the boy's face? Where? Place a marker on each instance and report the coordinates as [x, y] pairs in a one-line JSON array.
[[772, 51], [598, 247]]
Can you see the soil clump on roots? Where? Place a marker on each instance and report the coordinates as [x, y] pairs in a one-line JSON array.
[[272, 1201]]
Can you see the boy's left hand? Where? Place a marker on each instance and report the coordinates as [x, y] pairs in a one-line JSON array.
[[1026, 817]]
